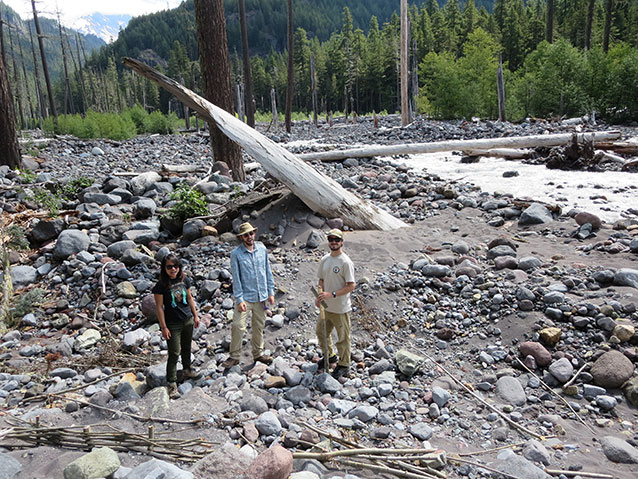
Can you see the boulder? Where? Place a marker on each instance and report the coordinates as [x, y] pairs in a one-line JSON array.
[[619, 450], [535, 214], [70, 242], [537, 351], [612, 369], [408, 363], [274, 463], [100, 462]]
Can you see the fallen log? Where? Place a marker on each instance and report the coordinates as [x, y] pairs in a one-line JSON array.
[[319, 192], [533, 141], [507, 153]]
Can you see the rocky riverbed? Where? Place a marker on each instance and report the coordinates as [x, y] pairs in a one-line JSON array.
[[494, 330]]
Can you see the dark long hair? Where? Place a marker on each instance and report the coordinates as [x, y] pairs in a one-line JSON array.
[[164, 278]]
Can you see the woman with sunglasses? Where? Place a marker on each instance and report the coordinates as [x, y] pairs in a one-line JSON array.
[[177, 317]]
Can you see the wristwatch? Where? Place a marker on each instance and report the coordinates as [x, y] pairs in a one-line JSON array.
[[334, 294]]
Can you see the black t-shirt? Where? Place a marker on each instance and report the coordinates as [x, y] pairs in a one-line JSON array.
[[176, 306]]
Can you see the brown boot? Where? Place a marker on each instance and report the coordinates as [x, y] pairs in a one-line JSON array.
[[229, 363], [173, 393], [264, 359], [192, 373]]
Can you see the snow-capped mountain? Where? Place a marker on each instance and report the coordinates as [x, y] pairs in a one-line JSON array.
[[107, 27]]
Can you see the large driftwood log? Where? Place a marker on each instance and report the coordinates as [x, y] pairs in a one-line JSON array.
[[533, 141], [319, 192]]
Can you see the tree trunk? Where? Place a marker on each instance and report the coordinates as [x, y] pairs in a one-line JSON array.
[[215, 67], [321, 193], [68, 94], [26, 83], [273, 103], [533, 141], [2, 52], [248, 86], [45, 68], [590, 21], [9, 149], [405, 114], [289, 91], [313, 87], [38, 85], [549, 35], [500, 87], [609, 9], [16, 80]]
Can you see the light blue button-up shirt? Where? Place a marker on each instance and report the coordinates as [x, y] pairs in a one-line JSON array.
[[252, 277]]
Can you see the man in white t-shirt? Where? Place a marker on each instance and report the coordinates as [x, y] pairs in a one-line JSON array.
[[336, 282]]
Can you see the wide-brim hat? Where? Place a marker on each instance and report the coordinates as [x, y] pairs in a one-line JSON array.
[[335, 232], [245, 228]]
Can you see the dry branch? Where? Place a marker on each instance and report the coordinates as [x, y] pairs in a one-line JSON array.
[[319, 192]]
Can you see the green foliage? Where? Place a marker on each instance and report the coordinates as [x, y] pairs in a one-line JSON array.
[[189, 203], [52, 198], [16, 238], [140, 117], [27, 176], [163, 124], [619, 98], [25, 304]]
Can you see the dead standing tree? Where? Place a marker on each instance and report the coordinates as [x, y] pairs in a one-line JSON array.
[[248, 87], [9, 150], [215, 67], [45, 67], [289, 91], [321, 193]]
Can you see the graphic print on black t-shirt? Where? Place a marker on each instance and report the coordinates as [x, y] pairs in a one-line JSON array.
[[176, 306]]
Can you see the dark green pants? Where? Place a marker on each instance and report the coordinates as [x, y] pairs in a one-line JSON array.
[[179, 343]]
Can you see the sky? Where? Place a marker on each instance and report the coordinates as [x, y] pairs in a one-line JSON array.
[[71, 10]]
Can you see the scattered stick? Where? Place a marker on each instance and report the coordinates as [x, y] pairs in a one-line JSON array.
[[485, 403], [557, 472], [580, 419], [42, 397], [134, 416], [482, 466], [575, 376]]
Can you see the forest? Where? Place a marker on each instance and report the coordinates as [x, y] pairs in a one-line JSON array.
[[560, 58]]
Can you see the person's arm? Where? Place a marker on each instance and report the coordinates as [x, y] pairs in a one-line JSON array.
[[270, 281], [191, 303], [159, 308], [238, 290]]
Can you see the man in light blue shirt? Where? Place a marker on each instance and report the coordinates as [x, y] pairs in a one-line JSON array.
[[253, 285]]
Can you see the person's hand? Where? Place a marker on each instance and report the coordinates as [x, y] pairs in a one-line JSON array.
[[196, 321], [241, 307], [317, 302], [271, 299], [323, 296], [166, 333]]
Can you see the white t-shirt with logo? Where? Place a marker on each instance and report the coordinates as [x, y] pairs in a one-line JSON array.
[[336, 271]]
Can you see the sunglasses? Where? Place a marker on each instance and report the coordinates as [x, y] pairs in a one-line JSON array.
[[334, 239], [250, 233], [172, 266]]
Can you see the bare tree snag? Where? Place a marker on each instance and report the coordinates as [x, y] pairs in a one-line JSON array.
[[405, 113], [248, 86], [9, 150], [319, 192], [215, 66], [45, 67], [533, 141], [500, 87], [289, 88]]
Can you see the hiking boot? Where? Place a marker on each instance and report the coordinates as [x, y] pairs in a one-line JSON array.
[[192, 374], [229, 363], [264, 359], [331, 360], [341, 371], [173, 393]]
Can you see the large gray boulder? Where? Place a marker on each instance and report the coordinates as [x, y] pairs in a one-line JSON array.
[[619, 450], [535, 214], [143, 182], [509, 389], [23, 275], [626, 277], [10, 468], [70, 242], [516, 466], [158, 469], [408, 363], [100, 462]]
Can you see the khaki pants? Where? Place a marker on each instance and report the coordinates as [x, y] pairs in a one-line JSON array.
[[238, 329], [341, 323]]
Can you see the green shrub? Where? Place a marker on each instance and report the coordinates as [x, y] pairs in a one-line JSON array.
[[140, 117], [16, 238], [25, 304], [163, 124], [190, 203]]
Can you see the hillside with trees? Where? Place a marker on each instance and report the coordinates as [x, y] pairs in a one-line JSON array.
[[581, 56]]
